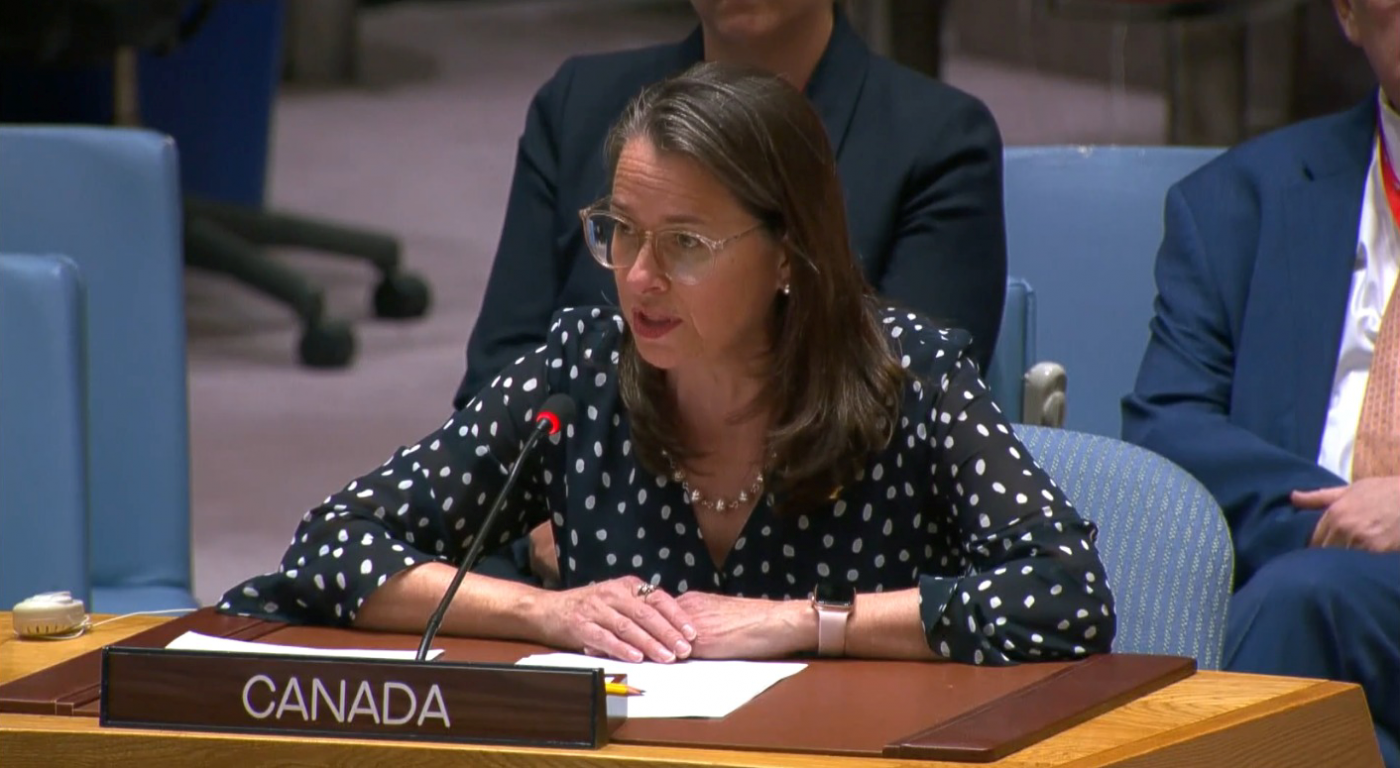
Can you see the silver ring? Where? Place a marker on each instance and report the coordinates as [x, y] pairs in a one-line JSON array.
[[645, 589]]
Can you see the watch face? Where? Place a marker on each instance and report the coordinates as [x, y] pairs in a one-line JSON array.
[[835, 594]]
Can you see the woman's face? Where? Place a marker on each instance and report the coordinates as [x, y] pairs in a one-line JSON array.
[[721, 318]]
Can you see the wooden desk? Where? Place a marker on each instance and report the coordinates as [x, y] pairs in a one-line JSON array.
[[1210, 719]]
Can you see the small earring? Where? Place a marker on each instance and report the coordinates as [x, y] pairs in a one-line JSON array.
[[787, 289]]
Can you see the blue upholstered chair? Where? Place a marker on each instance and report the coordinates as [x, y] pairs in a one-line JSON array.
[[1163, 540], [109, 199], [1083, 225], [1027, 391], [1015, 348], [43, 505]]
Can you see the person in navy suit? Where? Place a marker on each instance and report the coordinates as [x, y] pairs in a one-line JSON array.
[[1273, 277], [920, 163]]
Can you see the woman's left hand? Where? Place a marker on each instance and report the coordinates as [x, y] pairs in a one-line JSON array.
[[743, 628]]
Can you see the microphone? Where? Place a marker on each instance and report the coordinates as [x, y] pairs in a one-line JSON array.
[[556, 413]]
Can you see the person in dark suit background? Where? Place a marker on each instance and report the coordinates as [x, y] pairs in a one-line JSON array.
[[1269, 377], [920, 163]]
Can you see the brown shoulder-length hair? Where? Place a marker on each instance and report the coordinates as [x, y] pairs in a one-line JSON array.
[[833, 390]]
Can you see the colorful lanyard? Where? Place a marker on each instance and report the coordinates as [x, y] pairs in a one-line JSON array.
[[1392, 184]]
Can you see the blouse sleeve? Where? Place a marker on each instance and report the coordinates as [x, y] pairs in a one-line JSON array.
[[424, 504], [1035, 589]]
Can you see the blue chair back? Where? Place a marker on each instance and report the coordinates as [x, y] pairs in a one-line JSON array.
[[109, 199], [43, 462], [1015, 350], [1083, 225], [1162, 537]]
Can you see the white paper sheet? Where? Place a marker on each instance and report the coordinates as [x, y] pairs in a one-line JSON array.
[[195, 641], [683, 689]]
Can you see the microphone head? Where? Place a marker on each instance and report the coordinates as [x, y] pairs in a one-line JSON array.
[[558, 410]]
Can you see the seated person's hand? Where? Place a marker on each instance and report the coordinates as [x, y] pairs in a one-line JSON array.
[[623, 618], [544, 562], [744, 628], [1364, 515]]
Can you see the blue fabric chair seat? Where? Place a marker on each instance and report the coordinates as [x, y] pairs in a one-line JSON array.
[[1163, 539]]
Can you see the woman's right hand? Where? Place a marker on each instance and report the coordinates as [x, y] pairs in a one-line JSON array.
[[618, 619]]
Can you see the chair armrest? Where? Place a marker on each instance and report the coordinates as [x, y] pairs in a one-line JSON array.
[[1044, 395]]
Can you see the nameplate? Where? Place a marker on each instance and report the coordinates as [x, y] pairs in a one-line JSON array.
[[357, 698]]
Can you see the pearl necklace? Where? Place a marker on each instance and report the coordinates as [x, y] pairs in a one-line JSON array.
[[695, 498]]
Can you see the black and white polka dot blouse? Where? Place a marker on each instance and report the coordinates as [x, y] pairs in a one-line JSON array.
[[954, 505]]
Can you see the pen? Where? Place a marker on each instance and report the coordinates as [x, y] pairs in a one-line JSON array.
[[621, 689]]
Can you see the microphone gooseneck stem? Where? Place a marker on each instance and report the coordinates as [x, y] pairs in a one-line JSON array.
[[541, 428]]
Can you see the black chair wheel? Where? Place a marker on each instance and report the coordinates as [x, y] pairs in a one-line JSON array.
[[327, 344], [401, 295]]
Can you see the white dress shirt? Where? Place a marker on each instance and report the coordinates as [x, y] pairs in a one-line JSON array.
[[1372, 278]]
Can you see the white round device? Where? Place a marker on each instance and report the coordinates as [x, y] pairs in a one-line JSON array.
[[49, 614]]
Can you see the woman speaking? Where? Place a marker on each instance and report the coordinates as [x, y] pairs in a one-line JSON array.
[[765, 461]]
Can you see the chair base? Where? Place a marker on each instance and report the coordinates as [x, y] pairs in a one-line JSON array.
[[228, 239]]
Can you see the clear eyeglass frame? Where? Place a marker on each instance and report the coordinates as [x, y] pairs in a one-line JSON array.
[[684, 256]]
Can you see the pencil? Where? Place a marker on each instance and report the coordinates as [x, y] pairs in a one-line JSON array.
[[621, 689]]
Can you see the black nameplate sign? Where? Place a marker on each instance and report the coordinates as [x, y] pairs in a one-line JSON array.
[[357, 698]]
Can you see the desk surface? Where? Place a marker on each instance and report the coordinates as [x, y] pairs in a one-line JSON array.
[[1209, 719]]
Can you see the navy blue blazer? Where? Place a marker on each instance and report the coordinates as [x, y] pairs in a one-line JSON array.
[[1253, 278], [919, 160]]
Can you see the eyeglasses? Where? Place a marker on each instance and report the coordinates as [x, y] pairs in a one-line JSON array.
[[684, 257]]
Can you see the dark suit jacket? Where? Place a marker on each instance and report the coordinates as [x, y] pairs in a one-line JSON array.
[[920, 163], [1252, 279]]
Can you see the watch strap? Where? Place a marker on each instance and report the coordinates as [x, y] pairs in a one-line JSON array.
[[831, 629]]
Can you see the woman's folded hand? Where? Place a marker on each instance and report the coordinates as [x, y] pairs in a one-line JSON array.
[[624, 618]]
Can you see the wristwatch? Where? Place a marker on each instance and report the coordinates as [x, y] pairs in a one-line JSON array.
[[834, 603]]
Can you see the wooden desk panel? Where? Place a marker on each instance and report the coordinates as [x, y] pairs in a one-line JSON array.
[[846, 707], [1210, 719], [19, 657]]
